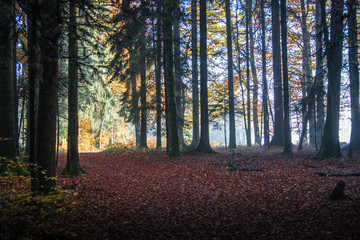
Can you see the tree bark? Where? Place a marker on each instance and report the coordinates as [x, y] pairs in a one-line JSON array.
[[330, 146], [264, 81], [158, 77], [73, 163], [204, 145], [278, 138], [354, 78], [195, 74], [232, 128], [143, 107], [248, 129], [173, 140]]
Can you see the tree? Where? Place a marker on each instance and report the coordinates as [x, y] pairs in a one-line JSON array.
[[195, 75], [287, 129], [232, 137], [173, 141], [354, 77], [73, 164], [50, 20], [278, 138], [264, 81], [7, 121], [330, 146], [204, 145], [158, 65], [248, 129]]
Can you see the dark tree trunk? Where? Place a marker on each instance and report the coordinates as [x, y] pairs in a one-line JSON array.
[[265, 86], [330, 146], [319, 84], [248, 129], [204, 145], [143, 125], [50, 21], [7, 121], [173, 140], [232, 129], [287, 129], [278, 138], [195, 74], [354, 77], [158, 78], [73, 163], [33, 89]]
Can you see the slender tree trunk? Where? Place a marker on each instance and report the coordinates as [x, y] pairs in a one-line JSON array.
[[158, 77], [143, 125], [354, 77], [319, 85], [46, 135], [287, 129], [255, 100], [73, 163], [204, 145], [264, 81], [232, 129], [195, 74], [330, 146], [278, 138], [173, 140], [248, 132], [177, 72]]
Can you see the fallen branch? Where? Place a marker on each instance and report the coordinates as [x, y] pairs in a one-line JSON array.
[[309, 166], [355, 174]]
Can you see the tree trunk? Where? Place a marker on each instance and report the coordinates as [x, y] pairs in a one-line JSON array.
[[248, 129], [7, 121], [255, 100], [50, 20], [330, 146], [195, 74], [232, 129], [287, 128], [204, 145], [354, 78], [319, 85], [278, 138], [265, 86], [178, 72], [143, 125], [73, 163], [173, 140], [158, 78]]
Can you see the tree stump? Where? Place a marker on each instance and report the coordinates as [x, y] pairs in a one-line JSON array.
[[338, 191]]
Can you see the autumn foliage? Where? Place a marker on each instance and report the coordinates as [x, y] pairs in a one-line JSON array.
[[145, 195]]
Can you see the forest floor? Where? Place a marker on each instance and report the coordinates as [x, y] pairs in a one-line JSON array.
[[146, 195]]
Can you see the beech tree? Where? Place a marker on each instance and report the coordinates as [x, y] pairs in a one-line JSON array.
[[330, 145], [232, 130]]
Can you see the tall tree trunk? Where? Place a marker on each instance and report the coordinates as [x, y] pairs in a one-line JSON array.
[[354, 77], [232, 129], [330, 146], [178, 73], [173, 140], [248, 129], [7, 121], [204, 145], [264, 81], [50, 21], [255, 100], [73, 163], [287, 129], [278, 138], [33, 89], [158, 77], [143, 125], [195, 74], [319, 83]]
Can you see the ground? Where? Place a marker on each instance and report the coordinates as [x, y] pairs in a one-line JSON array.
[[145, 195]]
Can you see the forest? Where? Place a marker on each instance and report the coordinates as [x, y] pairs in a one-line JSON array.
[[169, 119]]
